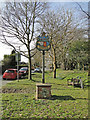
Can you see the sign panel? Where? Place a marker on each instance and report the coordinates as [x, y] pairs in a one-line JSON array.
[[43, 43], [18, 57]]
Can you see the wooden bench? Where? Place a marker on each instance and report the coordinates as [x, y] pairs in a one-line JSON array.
[[75, 82], [70, 81]]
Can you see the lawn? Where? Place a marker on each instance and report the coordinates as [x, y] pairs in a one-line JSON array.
[[18, 98]]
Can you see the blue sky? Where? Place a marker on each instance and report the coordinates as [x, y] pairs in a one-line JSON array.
[[73, 6], [67, 5], [70, 5]]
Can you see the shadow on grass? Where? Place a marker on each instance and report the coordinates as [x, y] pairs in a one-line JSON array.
[[35, 81], [55, 97], [83, 98], [61, 78], [9, 80]]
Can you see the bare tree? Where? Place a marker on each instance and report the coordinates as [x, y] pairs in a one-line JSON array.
[[59, 27], [86, 13], [18, 26], [87, 16]]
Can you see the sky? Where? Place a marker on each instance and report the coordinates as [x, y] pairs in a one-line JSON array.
[[47, 0], [4, 49]]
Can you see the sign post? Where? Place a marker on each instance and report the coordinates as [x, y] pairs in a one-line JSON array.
[[43, 72], [18, 58], [43, 90], [43, 44]]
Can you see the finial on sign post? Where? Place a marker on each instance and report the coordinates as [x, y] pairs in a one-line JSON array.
[[43, 33]]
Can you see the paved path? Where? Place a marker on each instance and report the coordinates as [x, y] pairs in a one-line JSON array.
[[3, 82]]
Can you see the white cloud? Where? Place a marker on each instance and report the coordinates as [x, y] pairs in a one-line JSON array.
[[4, 49]]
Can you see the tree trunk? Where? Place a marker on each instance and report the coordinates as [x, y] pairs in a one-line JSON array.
[[83, 67], [54, 65], [78, 66], [29, 64], [71, 65], [65, 63], [89, 70], [29, 69], [29, 59]]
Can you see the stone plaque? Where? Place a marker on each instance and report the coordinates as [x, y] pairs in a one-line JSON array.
[[43, 91]]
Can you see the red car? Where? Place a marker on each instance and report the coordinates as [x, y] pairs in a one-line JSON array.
[[24, 71], [10, 74]]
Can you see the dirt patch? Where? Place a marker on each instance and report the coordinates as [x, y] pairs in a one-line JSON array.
[[13, 90]]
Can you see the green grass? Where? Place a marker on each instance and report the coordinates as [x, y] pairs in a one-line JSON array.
[[18, 98]]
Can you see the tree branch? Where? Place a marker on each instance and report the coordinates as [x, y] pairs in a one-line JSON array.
[[83, 10]]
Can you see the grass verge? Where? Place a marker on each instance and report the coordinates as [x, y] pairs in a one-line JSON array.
[[18, 98]]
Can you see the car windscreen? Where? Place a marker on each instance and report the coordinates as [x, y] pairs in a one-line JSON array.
[[9, 71], [23, 69]]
